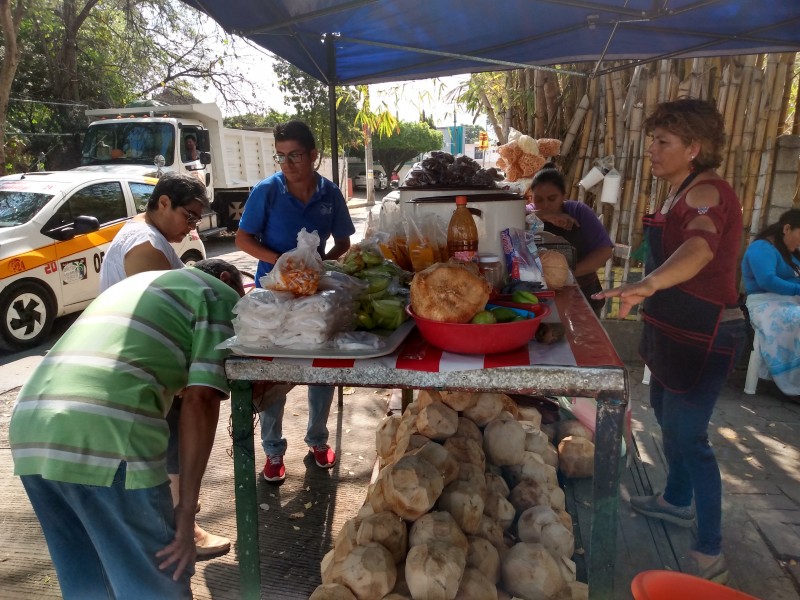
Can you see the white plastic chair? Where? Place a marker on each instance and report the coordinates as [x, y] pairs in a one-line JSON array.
[[751, 380]]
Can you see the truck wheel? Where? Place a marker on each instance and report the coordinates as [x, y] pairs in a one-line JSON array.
[[190, 257], [27, 315]]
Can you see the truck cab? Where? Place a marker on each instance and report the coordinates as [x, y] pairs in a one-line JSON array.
[[149, 140]]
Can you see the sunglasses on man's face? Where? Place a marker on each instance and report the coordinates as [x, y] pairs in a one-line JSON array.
[[293, 157]]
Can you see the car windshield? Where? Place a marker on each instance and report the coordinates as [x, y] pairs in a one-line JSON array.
[[18, 207], [137, 143]]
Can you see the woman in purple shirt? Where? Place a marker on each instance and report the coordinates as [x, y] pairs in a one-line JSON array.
[[576, 223]]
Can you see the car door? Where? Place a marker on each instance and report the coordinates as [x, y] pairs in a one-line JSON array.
[[79, 256]]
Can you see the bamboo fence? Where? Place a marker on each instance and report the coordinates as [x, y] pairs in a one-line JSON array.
[[600, 116]]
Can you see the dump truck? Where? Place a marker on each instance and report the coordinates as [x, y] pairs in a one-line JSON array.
[[150, 139]]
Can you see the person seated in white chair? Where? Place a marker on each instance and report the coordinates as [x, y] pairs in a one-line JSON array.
[[771, 276]]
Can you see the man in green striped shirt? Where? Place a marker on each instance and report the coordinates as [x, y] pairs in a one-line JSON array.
[[88, 433]]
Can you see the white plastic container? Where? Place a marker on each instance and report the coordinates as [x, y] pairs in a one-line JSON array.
[[494, 210]]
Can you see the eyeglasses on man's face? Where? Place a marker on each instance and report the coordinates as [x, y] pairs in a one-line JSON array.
[[192, 218], [293, 157]]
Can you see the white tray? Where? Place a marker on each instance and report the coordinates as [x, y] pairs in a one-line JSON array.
[[393, 342]]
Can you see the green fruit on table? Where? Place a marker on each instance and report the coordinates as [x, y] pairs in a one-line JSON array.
[[503, 314], [523, 297], [484, 317]]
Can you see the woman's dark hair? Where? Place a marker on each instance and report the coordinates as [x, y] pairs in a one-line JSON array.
[[180, 189], [692, 120], [550, 174], [296, 131], [774, 233]]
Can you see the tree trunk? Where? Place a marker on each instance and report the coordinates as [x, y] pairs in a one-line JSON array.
[[65, 74], [9, 21]]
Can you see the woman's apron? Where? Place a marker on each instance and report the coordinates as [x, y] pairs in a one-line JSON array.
[[679, 327]]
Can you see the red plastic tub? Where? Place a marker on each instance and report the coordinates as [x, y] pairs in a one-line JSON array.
[[467, 338], [669, 585]]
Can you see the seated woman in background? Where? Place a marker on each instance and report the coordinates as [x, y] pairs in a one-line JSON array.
[[771, 276], [576, 223]]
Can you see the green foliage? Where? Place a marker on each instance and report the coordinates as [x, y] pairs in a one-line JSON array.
[[309, 99], [410, 140], [256, 121], [471, 133], [105, 53]]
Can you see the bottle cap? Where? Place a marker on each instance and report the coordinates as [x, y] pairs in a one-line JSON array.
[[461, 200]]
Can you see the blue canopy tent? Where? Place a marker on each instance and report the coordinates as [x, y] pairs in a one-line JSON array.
[[344, 42]]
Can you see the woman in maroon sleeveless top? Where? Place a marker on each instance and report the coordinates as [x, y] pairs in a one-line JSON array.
[[693, 327]]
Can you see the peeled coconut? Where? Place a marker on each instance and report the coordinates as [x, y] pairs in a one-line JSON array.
[[487, 407], [434, 570], [529, 493], [411, 486], [466, 450], [332, 591], [468, 429], [531, 573], [499, 509], [385, 528], [483, 556], [475, 476], [385, 436], [576, 457], [459, 401], [504, 442], [475, 586], [439, 457], [368, 571], [464, 503], [531, 414], [573, 427], [541, 524], [437, 526], [495, 484], [437, 421]]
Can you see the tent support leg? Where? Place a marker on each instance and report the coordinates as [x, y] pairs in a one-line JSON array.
[[332, 109]]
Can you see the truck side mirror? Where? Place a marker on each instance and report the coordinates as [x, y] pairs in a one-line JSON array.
[[205, 158], [203, 141]]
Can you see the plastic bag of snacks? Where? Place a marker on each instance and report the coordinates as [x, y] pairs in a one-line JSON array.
[[522, 257], [297, 271]]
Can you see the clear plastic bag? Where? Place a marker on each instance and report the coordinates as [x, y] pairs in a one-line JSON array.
[[297, 271], [522, 257]]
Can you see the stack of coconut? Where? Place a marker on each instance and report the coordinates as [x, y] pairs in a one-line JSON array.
[[466, 506]]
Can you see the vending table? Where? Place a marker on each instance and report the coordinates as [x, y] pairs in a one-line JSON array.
[[583, 364]]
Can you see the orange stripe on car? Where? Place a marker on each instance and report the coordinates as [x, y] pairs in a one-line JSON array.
[[38, 257]]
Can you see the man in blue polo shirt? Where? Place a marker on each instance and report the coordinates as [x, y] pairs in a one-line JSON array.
[[277, 209]]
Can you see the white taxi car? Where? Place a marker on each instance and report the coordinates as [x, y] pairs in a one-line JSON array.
[[55, 228]]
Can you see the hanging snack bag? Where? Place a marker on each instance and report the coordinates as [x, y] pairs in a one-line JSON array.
[[297, 271]]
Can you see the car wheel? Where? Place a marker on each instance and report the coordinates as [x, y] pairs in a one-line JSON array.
[[190, 257], [27, 315]]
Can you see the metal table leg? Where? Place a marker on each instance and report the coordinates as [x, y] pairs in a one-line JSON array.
[[244, 471]]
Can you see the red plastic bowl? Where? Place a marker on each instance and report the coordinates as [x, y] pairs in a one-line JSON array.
[[467, 338]]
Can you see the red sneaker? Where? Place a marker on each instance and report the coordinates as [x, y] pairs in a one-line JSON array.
[[323, 456], [274, 470]]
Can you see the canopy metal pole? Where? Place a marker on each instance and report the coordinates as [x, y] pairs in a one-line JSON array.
[[332, 108]]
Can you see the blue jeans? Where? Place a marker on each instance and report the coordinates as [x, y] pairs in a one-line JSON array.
[[684, 418], [103, 540], [319, 407]]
